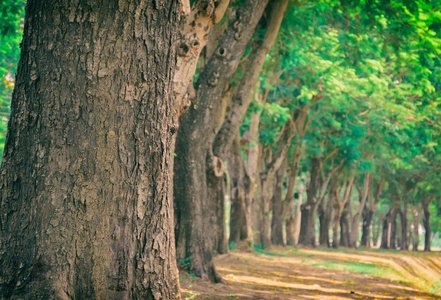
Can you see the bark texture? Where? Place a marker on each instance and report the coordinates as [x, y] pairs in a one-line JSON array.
[[86, 209]]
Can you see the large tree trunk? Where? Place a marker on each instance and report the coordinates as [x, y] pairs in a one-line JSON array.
[[195, 158], [86, 209], [278, 216], [426, 224]]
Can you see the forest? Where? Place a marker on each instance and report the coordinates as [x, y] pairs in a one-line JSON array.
[[144, 137]]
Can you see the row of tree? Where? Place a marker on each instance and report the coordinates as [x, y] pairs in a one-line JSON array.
[[119, 107]]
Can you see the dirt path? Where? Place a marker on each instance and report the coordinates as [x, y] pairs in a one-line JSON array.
[[288, 273]]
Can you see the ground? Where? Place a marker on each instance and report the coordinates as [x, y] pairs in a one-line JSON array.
[[290, 273]]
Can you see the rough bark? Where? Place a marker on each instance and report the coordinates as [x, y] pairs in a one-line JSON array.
[[193, 37], [355, 220], [278, 208], [86, 209], [244, 92], [195, 162]]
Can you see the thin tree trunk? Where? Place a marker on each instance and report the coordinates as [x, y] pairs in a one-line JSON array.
[[86, 203], [267, 181], [339, 208], [426, 224], [387, 226], [309, 208], [416, 224], [251, 173], [393, 231], [236, 170], [278, 216], [326, 219], [404, 238], [290, 223], [355, 220], [376, 232], [344, 225]]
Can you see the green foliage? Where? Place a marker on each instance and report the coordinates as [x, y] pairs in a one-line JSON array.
[[11, 23]]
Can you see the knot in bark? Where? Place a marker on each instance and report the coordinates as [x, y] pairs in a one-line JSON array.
[[221, 52], [217, 166]]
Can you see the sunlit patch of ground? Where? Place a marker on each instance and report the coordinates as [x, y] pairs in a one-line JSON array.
[[289, 273]]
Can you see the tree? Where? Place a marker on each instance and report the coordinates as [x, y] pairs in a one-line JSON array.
[[86, 209]]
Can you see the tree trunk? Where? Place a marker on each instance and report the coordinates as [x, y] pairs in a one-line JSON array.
[[278, 216], [393, 231], [404, 238], [426, 224], [376, 231], [236, 170], [290, 223], [86, 209], [326, 218], [309, 208], [366, 228], [194, 36], [340, 206], [344, 225], [387, 229], [251, 173], [416, 224], [369, 211], [195, 158], [216, 191], [355, 220], [267, 180]]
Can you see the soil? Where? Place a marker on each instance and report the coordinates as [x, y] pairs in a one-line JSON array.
[[290, 273]]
